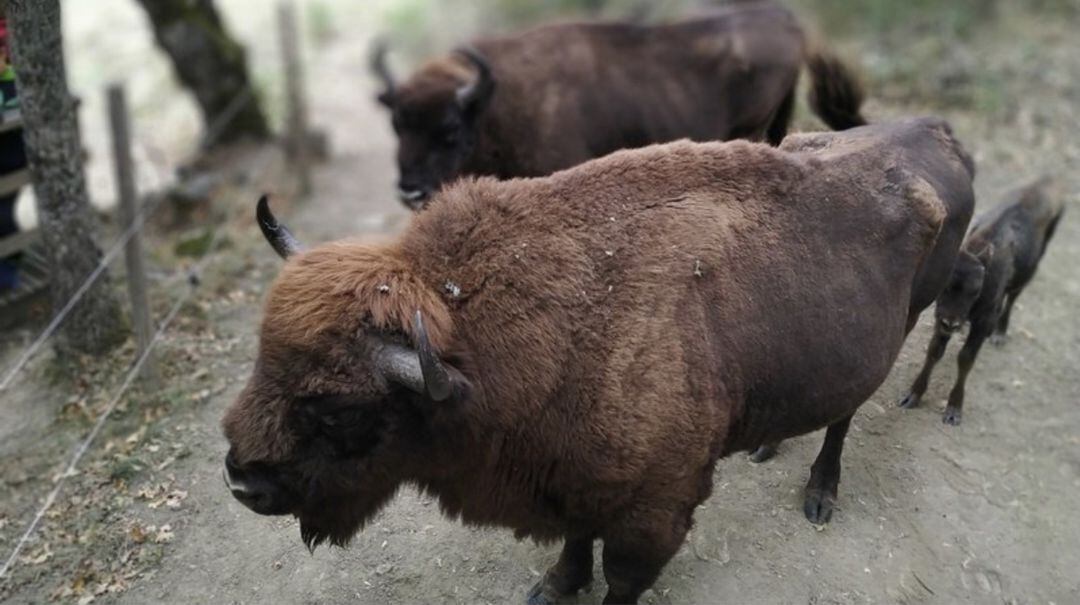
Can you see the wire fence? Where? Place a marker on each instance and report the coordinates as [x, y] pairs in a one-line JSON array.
[[129, 379], [110, 255], [214, 130], [257, 174]]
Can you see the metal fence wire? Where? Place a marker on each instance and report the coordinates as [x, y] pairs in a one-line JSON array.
[[138, 220]]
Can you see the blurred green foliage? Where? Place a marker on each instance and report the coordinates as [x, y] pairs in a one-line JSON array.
[[901, 17], [319, 18], [422, 25], [909, 51]]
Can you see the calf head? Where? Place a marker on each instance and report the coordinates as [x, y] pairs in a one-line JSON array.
[[335, 413], [964, 288], [434, 114]]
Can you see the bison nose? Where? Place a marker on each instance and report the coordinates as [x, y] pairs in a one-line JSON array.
[[262, 499], [234, 478], [413, 195], [261, 494], [230, 463], [950, 325]]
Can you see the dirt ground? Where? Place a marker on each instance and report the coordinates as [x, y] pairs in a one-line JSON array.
[[981, 513]]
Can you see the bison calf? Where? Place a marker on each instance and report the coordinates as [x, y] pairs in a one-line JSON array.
[[998, 260], [546, 99], [569, 356]]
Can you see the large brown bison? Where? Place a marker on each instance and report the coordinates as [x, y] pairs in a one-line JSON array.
[[553, 97], [569, 356]]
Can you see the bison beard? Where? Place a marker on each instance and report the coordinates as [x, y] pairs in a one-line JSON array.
[[335, 515], [606, 333]]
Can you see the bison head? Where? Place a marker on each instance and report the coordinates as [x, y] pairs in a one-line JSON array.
[[336, 413], [434, 114], [964, 287]]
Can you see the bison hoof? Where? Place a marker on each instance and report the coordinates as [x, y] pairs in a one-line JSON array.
[[552, 589], [952, 416], [763, 453], [818, 506], [910, 401], [998, 339], [538, 596]]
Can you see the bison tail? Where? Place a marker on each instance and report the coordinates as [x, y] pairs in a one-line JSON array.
[[836, 95]]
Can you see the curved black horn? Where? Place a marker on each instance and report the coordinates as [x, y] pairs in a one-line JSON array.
[[401, 365], [482, 86], [436, 378], [381, 69], [279, 236], [419, 370]]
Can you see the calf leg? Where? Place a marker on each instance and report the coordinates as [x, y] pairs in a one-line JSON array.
[[571, 573], [934, 351], [1000, 335], [966, 359], [825, 475]]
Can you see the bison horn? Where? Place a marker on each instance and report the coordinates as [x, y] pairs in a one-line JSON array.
[[401, 365], [436, 378], [382, 70], [279, 236], [480, 88], [421, 370]]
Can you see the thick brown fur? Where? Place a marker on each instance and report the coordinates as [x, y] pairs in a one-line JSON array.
[[567, 93], [621, 324]]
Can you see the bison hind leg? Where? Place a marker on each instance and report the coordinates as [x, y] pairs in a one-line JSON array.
[[778, 127], [821, 489], [764, 452]]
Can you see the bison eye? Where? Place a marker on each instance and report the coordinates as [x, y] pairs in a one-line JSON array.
[[450, 138], [351, 430]]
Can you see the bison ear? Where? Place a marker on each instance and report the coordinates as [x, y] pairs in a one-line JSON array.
[[475, 94], [421, 370]]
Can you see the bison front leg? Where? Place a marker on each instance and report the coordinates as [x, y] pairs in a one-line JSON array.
[[572, 572], [964, 362], [825, 475], [934, 352], [635, 554]]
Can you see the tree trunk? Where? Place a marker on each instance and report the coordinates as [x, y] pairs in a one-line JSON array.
[[211, 65], [54, 153]]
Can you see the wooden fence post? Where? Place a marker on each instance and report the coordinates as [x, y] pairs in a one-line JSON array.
[[128, 210], [296, 137]]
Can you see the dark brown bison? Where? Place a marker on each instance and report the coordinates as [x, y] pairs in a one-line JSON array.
[[553, 97], [935, 272], [569, 356], [997, 261]]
